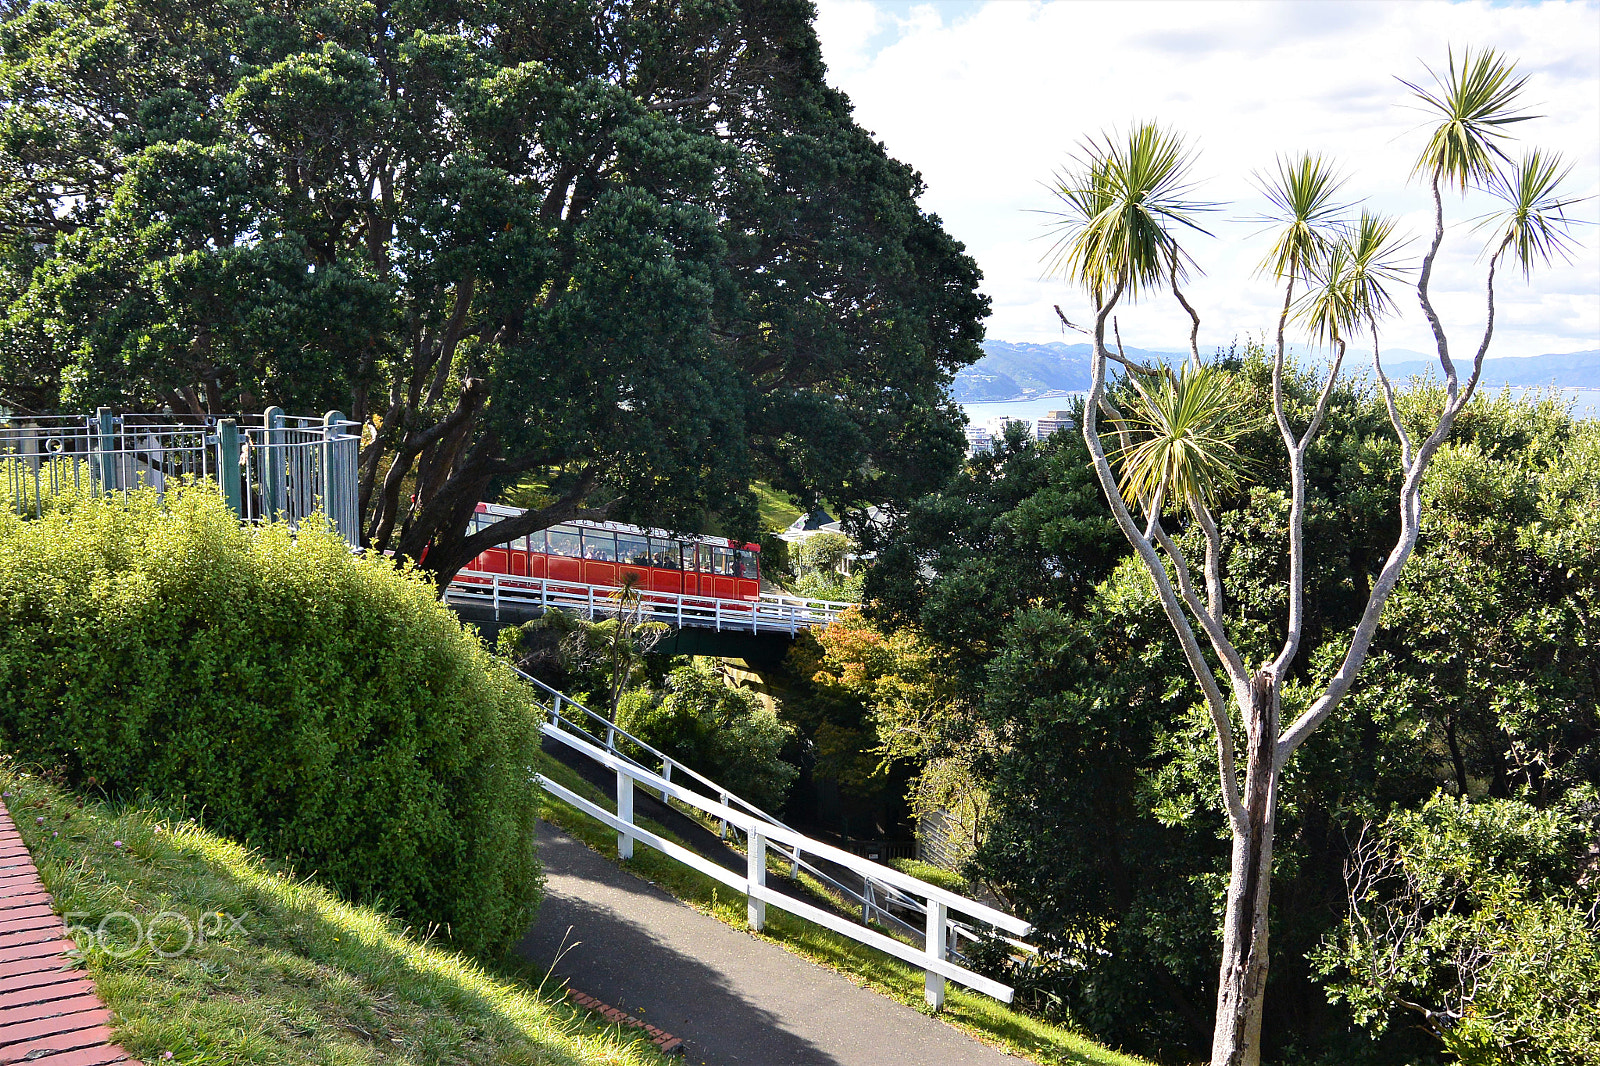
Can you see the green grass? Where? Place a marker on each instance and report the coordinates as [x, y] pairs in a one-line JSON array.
[[778, 509], [302, 977], [987, 1019]]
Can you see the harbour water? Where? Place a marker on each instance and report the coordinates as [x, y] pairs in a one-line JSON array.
[[1585, 404]]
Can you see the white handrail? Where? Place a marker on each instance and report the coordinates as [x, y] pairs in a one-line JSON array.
[[769, 613], [776, 831], [932, 958]]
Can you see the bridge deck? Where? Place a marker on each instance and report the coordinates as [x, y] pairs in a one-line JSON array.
[[770, 614]]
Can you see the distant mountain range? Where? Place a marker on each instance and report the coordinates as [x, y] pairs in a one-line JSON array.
[[1020, 371]]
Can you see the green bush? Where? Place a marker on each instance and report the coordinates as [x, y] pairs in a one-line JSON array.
[[821, 551], [318, 705], [829, 585], [724, 733]]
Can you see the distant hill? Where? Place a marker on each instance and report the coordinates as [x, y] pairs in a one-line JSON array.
[[1575, 370], [1019, 370]]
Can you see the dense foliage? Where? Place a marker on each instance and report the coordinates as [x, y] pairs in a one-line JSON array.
[[1481, 921], [636, 251], [320, 706], [725, 733], [1084, 746]]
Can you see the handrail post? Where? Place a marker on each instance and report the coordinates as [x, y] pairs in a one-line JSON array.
[[722, 823], [495, 585], [106, 445], [624, 815], [934, 946], [273, 488], [755, 910], [228, 465]]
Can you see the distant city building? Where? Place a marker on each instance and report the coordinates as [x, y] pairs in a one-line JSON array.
[[978, 440], [1053, 421], [997, 425]]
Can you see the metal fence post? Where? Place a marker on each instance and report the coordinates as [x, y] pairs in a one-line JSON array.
[[933, 944], [338, 504], [228, 465], [755, 910], [274, 492], [106, 445], [624, 815]]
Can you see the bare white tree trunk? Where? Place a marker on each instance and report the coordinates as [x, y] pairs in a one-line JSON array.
[[1242, 988], [1251, 810]]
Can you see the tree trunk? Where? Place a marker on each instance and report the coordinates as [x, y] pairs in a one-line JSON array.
[[1241, 991]]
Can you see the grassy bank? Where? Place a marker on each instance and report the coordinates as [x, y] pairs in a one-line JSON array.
[[984, 1018], [246, 962]]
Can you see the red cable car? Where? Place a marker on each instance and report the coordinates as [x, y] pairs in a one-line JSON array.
[[601, 553]]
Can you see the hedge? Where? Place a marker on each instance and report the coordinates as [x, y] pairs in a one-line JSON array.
[[318, 705]]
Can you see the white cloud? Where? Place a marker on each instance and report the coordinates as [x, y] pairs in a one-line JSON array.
[[988, 100]]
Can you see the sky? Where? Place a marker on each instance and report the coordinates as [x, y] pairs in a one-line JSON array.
[[989, 98]]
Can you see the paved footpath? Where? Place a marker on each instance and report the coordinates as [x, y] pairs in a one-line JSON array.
[[734, 999]]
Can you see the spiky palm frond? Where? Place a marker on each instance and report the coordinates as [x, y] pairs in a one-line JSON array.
[[1123, 205], [1328, 310], [1534, 223], [1375, 264], [1475, 101], [1304, 195], [1184, 428]]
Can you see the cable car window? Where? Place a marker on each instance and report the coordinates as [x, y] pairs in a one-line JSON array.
[[689, 560], [723, 560], [633, 549], [747, 563], [663, 553], [599, 546], [564, 541], [536, 541]]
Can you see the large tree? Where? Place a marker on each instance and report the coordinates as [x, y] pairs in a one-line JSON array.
[[635, 254], [1126, 207]]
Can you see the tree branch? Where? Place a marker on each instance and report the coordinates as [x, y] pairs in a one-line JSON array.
[[1221, 722], [1410, 527]]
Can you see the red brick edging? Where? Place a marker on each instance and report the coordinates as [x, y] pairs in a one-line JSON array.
[[659, 1037], [49, 1014]]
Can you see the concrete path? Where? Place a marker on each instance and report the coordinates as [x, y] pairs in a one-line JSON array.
[[735, 1000]]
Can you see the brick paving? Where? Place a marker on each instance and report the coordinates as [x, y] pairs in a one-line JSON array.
[[49, 1014], [659, 1037]]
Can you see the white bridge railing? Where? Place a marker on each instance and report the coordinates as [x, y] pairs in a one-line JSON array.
[[769, 614], [938, 955]]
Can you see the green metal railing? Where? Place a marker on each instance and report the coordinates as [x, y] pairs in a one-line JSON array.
[[268, 467]]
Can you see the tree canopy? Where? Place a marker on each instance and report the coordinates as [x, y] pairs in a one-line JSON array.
[[636, 253], [1080, 738]]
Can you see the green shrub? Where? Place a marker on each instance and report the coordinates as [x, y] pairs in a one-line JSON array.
[[724, 733], [318, 705], [821, 551], [934, 875], [829, 585]]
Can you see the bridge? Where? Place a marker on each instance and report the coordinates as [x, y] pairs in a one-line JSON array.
[[482, 595]]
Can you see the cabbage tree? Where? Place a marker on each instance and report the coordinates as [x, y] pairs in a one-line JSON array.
[[1128, 207]]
